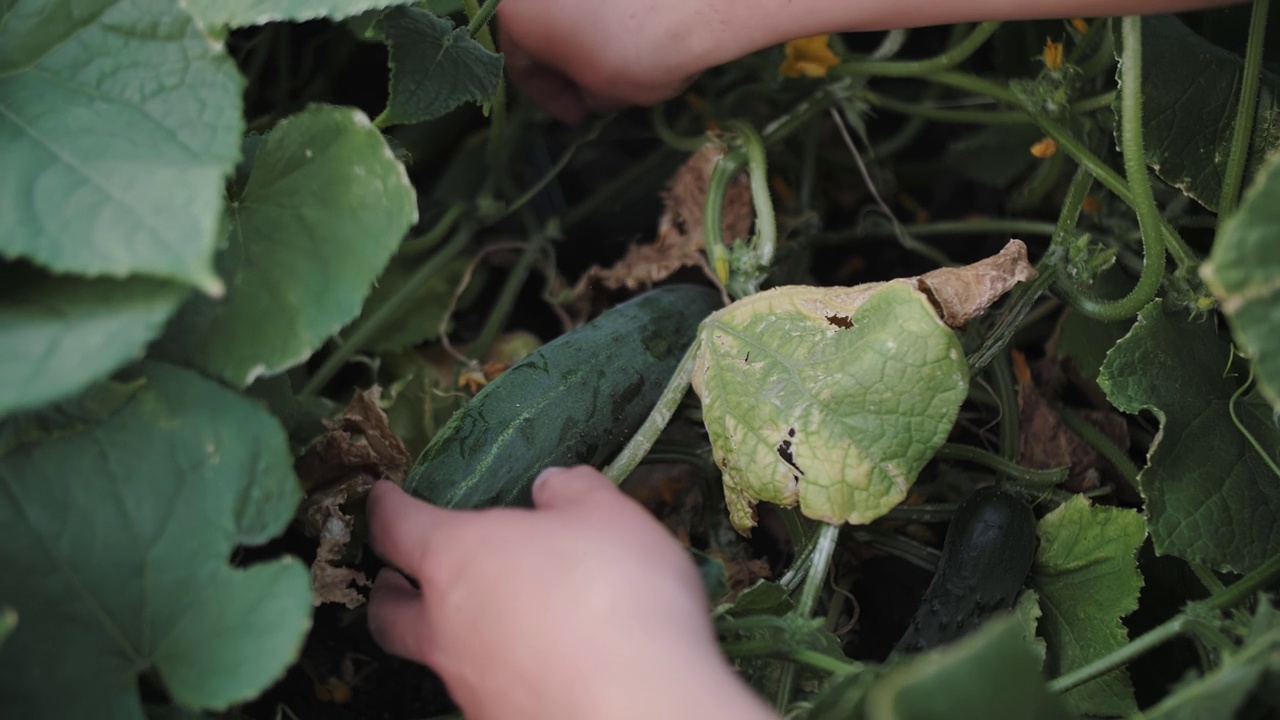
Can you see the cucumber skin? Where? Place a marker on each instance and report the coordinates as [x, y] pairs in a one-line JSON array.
[[985, 561], [576, 400]]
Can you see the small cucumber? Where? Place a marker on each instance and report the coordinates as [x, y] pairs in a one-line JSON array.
[[577, 399], [985, 560]]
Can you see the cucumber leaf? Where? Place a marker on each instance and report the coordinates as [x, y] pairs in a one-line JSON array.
[[991, 673], [58, 334], [1242, 272], [241, 13], [832, 398], [1086, 572], [1222, 691], [435, 66], [1210, 497], [323, 210], [119, 120], [117, 541], [1190, 90]]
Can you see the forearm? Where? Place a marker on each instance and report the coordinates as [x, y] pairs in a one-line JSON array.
[[745, 26]]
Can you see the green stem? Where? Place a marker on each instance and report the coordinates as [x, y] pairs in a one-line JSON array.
[[1233, 176], [480, 16], [1149, 640], [966, 453], [983, 117], [952, 57], [1105, 56], [1007, 394], [388, 311], [819, 562], [669, 136], [553, 171], [767, 648], [765, 242], [478, 21], [501, 311], [1246, 587], [1101, 443], [1149, 220], [413, 246], [952, 115], [1026, 295], [823, 550], [713, 240], [638, 446], [1237, 593]]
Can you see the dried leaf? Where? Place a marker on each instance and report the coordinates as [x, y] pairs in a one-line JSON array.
[[963, 293], [341, 465], [330, 582], [680, 238]]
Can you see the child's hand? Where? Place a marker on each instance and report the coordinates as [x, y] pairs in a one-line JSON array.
[[581, 608], [576, 56]]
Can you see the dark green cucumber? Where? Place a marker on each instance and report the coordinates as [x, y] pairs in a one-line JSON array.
[[576, 400], [985, 560]]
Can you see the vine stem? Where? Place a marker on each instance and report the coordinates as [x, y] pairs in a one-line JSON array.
[[1150, 222], [1237, 593], [765, 241], [915, 68], [552, 172], [1048, 478], [1233, 176], [506, 301], [1101, 443], [394, 306], [638, 446], [480, 17], [819, 562]]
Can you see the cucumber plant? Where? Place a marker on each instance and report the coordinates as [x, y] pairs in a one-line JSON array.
[[239, 214]]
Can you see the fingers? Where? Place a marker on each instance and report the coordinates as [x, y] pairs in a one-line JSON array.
[[550, 90], [395, 616], [401, 527], [558, 487]]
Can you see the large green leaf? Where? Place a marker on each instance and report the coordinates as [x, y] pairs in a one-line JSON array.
[[1210, 497], [1190, 90], [239, 13], [833, 398], [1086, 572], [435, 67], [119, 120], [1243, 271], [58, 334], [325, 205], [116, 552], [992, 673], [73, 415]]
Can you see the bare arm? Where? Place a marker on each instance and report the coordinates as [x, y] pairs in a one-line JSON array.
[[573, 56]]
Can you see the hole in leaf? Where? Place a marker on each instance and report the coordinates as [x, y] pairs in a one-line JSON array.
[[840, 321], [784, 452]]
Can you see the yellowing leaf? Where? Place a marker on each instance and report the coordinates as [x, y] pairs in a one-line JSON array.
[[810, 56], [835, 398], [832, 398]]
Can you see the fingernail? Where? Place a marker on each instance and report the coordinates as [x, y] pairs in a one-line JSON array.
[[547, 473]]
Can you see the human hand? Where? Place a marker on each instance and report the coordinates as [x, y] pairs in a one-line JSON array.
[[576, 56], [583, 607]]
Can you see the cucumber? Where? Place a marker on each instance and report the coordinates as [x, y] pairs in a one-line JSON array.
[[576, 400], [985, 560]]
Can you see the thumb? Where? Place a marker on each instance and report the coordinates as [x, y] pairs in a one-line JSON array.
[[558, 487]]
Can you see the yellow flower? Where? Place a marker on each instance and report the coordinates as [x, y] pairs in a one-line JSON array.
[[1080, 24], [1045, 148], [810, 56], [1053, 55]]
